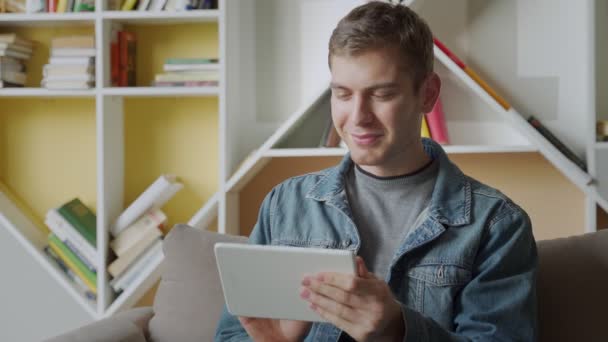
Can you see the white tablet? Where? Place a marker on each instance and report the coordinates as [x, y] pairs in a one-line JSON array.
[[265, 281]]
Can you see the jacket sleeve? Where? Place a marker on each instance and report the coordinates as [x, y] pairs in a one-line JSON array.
[[499, 303], [229, 328]]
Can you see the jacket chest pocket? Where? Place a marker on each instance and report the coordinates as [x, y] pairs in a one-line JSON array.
[[433, 288]]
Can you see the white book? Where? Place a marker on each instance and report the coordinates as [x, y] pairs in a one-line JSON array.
[[65, 232], [154, 197], [152, 255], [71, 61], [73, 77], [73, 52], [157, 5], [67, 85], [143, 5], [138, 230], [190, 67], [118, 266], [15, 54], [61, 70], [16, 47]]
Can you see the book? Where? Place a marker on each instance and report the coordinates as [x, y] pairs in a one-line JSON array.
[[81, 42], [66, 70], [436, 122], [78, 283], [143, 5], [81, 218], [157, 5], [209, 75], [14, 77], [72, 52], [126, 60], [75, 85], [118, 266], [89, 278], [128, 5], [16, 47], [154, 197], [4, 84], [114, 58], [424, 130], [557, 143], [190, 67], [89, 78], [151, 220], [151, 256], [13, 38], [186, 84], [15, 54], [61, 6], [66, 232], [191, 61], [54, 60]]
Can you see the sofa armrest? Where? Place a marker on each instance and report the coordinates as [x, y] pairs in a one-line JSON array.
[[128, 326]]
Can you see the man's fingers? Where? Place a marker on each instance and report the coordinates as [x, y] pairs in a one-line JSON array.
[[344, 312], [362, 269], [334, 293]]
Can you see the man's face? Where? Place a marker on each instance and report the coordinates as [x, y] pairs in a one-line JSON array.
[[375, 108]]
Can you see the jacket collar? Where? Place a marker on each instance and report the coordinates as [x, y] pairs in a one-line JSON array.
[[451, 199]]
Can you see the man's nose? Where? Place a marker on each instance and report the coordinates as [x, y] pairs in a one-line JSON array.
[[361, 112]]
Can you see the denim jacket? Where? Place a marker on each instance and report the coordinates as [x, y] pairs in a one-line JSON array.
[[466, 272]]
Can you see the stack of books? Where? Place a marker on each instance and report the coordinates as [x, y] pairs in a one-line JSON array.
[[160, 5], [63, 6], [72, 63], [14, 6], [14, 52], [188, 72], [138, 233], [72, 244]]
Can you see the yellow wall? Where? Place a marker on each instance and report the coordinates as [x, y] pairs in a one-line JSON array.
[[176, 136], [47, 151]]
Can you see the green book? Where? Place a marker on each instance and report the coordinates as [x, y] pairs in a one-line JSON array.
[[73, 262], [191, 60], [82, 218]]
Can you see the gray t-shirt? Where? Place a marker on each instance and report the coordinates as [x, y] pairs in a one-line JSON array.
[[385, 210]]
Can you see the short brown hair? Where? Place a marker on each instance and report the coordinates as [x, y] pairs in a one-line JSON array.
[[380, 24]]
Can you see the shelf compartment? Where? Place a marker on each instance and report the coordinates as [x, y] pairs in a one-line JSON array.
[[42, 36], [27, 231], [155, 43], [172, 136]]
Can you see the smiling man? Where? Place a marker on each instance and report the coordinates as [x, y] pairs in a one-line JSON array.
[[441, 257]]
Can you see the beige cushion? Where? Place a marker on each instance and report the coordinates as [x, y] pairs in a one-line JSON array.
[[189, 299], [128, 326], [573, 288]]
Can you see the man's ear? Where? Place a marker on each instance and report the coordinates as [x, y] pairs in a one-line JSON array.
[[430, 92]]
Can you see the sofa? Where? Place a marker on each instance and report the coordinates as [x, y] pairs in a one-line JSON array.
[[572, 293]]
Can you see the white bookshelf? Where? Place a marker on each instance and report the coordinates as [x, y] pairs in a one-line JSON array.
[[110, 117], [273, 101]]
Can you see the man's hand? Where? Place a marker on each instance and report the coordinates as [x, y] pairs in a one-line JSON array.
[[361, 305], [274, 330]]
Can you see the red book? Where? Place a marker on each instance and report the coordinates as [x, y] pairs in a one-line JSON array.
[[436, 122], [114, 63], [126, 53]]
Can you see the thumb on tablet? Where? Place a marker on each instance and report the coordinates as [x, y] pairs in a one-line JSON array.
[[362, 269]]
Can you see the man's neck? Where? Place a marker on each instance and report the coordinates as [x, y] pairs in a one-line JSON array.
[[409, 163]]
